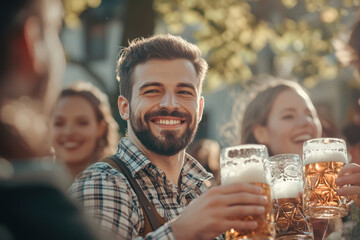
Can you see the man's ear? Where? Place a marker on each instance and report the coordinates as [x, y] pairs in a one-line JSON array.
[[29, 48], [201, 108], [124, 108], [261, 134]]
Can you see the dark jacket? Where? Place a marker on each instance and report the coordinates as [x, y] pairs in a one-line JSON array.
[[34, 206]]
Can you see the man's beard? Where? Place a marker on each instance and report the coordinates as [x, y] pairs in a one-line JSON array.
[[168, 143]]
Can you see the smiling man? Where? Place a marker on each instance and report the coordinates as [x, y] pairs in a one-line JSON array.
[[160, 98]]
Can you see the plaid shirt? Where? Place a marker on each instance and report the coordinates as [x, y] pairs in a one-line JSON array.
[[108, 197]]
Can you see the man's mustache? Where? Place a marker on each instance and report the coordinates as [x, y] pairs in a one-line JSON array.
[[163, 113]]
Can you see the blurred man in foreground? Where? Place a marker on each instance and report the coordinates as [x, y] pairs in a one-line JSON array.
[[31, 65]]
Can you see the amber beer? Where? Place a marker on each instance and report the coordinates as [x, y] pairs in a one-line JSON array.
[[321, 168], [287, 192], [249, 169], [290, 222]]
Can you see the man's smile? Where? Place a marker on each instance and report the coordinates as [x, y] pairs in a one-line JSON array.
[[168, 122]]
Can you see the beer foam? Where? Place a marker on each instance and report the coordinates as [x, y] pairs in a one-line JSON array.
[[323, 156], [287, 189], [252, 173]]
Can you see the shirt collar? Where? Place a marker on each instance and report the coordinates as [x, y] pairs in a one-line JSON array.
[[134, 159]]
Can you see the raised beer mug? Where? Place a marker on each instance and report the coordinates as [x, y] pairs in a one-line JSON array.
[[287, 193], [249, 164], [323, 159]]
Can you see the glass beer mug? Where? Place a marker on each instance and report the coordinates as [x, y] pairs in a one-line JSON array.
[[249, 164], [323, 159], [287, 193]]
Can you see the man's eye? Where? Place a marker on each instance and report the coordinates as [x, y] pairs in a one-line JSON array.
[[151, 91], [185, 92]]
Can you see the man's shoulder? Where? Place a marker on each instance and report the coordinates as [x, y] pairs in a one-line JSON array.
[[36, 172], [100, 175], [25, 189], [31, 196], [100, 170], [31, 203], [102, 184]]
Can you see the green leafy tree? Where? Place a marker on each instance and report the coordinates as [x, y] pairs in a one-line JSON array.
[[73, 9], [295, 37]]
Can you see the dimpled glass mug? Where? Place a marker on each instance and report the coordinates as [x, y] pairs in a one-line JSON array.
[[323, 159], [249, 164], [287, 196]]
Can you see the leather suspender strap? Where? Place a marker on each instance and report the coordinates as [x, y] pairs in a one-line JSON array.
[[152, 215]]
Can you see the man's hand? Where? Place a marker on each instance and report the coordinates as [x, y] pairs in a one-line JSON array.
[[218, 210]]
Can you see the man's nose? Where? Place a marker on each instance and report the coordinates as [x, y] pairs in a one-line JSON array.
[[169, 100]]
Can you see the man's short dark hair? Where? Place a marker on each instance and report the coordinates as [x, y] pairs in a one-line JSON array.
[[156, 47]]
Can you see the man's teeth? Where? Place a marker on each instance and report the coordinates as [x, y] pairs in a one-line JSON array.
[[168, 122], [303, 137], [70, 144]]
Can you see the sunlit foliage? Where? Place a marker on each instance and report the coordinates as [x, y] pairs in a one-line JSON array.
[[241, 38], [238, 36], [73, 8]]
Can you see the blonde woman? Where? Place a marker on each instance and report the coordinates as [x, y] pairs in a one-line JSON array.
[[84, 129]]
